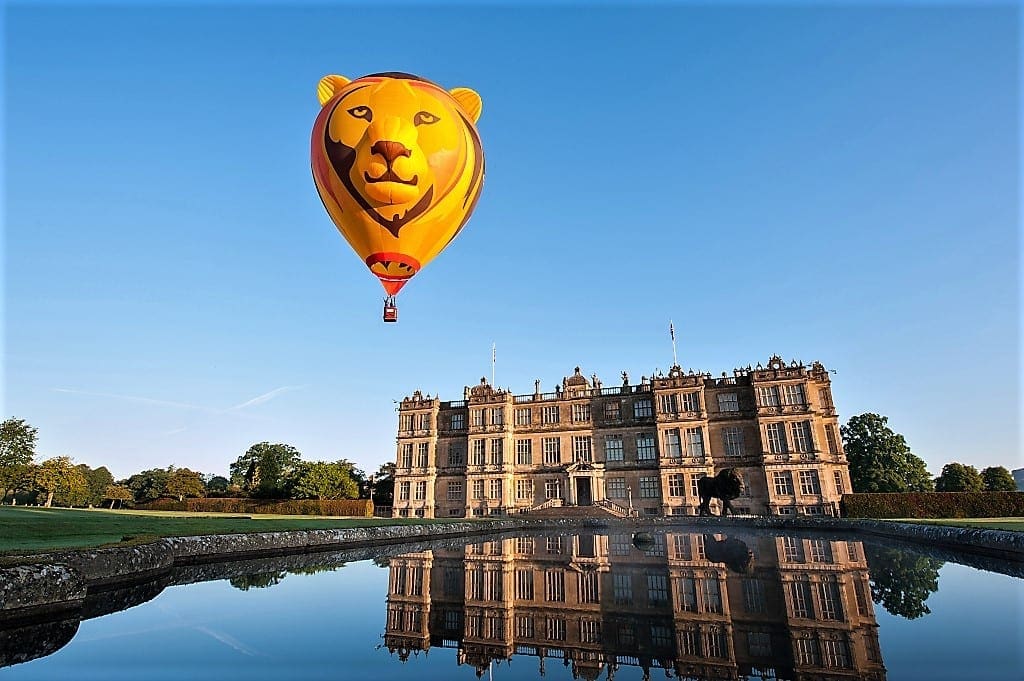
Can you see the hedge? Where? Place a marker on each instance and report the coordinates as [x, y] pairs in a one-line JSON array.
[[347, 507], [934, 505]]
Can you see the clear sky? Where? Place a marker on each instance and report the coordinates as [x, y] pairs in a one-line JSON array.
[[830, 182]]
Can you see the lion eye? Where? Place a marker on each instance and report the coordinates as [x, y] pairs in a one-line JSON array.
[[425, 118], [361, 112]]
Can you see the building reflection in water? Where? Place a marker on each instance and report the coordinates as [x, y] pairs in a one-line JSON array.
[[696, 606]]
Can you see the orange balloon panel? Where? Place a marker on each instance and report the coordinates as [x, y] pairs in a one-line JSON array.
[[399, 167]]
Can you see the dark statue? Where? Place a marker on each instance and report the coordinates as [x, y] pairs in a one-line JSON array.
[[736, 555], [725, 486]]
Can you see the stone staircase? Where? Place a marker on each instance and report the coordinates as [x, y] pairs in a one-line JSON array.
[[570, 512]]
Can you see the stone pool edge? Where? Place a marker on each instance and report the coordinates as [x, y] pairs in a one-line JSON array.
[[43, 583]]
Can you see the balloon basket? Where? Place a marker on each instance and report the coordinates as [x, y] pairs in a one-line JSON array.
[[390, 309]]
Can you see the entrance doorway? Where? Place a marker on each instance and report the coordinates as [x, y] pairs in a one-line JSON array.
[[583, 496]]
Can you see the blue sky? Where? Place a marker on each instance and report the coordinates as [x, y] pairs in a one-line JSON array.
[[831, 182]]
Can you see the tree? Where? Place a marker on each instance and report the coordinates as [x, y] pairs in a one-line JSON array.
[[324, 480], [183, 482], [260, 580], [902, 581], [148, 485], [59, 476], [880, 459], [217, 485], [118, 493], [957, 477], [17, 449], [998, 479], [384, 485], [266, 470], [97, 480]]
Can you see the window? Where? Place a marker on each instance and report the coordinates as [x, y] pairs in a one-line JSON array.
[[405, 422], [552, 449], [524, 584], [668, 404], [648, 488], [657, 589], [421, 491], [821, 551], [524, 546], [676, 485], [732, 439], [802, 441], [759, 643], [478, 417], [825, 398], [458, 421], [834, 653], [524, 416], [710, 595], [495, 489], [768, 396], [478, 489], [776, 433], [421, 454], [552, 489], [794, 394], [694, 492], [800, 595], [524, 626], [590, 631], [809, 482], [673, 446], [498, 416], [645, 450], [792, 550], [853, 551], [407, 455], [581, 448], [455, 490], [554, 545], [623, 588], [497, 451], [524, 452], [524, 489], [728, 402], [613, 410], [456, 457], [691, 401], [616, 488], [830, 438], [554, 586], [681, 547], [403, 491], [588, 587], [695, 442], [555, 628], [753, 596], [613, 448], [424, 420], [860, 592], [783, 483], [687, 596], [807, 651], [550, 414], [581, 412], [642, 409], [479, 452]]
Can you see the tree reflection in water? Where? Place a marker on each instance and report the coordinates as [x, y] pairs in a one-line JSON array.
[[901, 582]]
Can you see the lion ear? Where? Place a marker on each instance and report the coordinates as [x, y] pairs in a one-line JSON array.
[[329, 86], [469, 100]]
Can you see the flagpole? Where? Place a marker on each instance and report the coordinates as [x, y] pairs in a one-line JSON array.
[[672, 332], [494, 351]]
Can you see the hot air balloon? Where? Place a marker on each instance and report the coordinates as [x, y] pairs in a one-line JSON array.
[[398, 164]]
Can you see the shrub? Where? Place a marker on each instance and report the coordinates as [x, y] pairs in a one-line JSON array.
[[934, 505], [348, 507]]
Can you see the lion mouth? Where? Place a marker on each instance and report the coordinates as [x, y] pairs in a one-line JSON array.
[[390, 176]]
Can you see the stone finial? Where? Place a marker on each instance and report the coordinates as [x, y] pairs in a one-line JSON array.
[[536, 387], [625, 378]]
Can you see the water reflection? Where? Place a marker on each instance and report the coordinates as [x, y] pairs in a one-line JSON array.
[[695, 605]]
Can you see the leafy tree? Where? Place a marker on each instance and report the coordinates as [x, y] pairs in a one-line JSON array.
[[59, 476], [957, 477], [17, 449], [880, 459], [217, 485], [183, 482], [258, 581], [148, 485], [97, 480], [325, 480], [266, 470], [118, 493], [902, 581], [384, 485], [998, 479]]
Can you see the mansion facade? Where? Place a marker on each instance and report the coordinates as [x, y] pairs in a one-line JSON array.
[[634, 449]]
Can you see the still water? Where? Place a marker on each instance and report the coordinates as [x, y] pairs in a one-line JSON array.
[[588, 606]]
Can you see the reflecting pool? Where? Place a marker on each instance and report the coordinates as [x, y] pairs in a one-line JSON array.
[[658, 604]]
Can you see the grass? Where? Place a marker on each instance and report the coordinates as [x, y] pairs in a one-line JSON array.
[[35, 529], [1011, 524]]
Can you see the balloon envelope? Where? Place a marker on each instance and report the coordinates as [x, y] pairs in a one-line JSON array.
[[398, 164]]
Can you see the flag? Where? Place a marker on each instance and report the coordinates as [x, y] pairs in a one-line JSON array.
[[494, 352], [671, 330]]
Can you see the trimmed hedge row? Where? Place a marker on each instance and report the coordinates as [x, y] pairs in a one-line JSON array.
[[933, 505], [349, 507]]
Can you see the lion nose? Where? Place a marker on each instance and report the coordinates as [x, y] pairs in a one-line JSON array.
[[390, 150]]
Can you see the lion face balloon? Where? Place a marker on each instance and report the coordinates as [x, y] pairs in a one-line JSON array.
[[398, 164]]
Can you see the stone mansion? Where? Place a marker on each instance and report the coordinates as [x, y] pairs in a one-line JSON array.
[[635, 449]]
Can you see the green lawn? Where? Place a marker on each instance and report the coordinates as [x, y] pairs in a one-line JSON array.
[[1012, 524], [34, 529]]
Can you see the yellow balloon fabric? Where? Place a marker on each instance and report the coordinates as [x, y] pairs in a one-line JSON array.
[[398, 164]]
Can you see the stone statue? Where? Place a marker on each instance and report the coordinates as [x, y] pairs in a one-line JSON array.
[[725, 486]]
